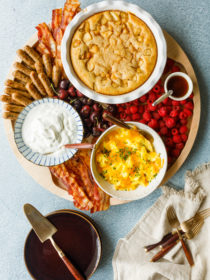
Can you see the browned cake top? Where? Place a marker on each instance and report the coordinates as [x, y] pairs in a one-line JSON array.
[[113, 52]]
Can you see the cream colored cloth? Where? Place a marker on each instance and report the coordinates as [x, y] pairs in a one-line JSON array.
[[131, 262]]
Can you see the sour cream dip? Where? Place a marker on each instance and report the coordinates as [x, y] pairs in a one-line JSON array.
[[48, 127]]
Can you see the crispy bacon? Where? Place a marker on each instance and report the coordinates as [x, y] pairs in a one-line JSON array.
[[56, 30], [69, 179], [76, 175], [71, 7], [45, 37]]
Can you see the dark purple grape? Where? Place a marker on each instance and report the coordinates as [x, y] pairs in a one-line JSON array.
[[89, 102], [94, 116], [97, 107], [72, 92], [85, 111], [79, 94], [112, 109], [87, 122], [102, 126], [63, 94], [87, 133], [83, 100], [96, 132], [64, 84], [77, 104]]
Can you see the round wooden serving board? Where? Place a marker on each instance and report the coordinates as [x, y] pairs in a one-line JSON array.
[[43, 176]]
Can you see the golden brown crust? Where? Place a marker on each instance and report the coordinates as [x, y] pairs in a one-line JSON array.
[[36, 81], [47, 64], [10, 91], [39, 67], [56, 75], [10, 115], [21, 76], [8, 99], [33, 91], [22, 68], [33, 54], [113, 52], [46, 84], [21, 99], [13, 108], [26, 58], [14, 84]]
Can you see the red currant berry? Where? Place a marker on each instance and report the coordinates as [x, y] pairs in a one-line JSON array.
[[174, 131], [147, 116], [163, 111], [177, 138], [133, 109], [170, 122], [183, 129]]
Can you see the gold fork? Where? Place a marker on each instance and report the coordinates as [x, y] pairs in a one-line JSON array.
[[174, 222], [189, 235], [189, 223]]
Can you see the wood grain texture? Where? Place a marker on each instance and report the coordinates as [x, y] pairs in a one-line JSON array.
[[42, 175]]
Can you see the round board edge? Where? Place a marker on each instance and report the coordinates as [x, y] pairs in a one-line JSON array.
[[175, 52]]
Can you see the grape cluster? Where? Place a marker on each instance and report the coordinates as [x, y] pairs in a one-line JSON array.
[[90, 111]]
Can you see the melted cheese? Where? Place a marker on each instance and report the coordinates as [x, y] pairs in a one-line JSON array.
[[126, 159]]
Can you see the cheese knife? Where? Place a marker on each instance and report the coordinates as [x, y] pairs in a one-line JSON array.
[[45, 230]]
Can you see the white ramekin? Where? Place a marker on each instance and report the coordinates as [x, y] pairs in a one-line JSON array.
[[187, 78], [122, 6]]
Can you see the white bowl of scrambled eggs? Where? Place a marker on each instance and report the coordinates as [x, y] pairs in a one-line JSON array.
[[129, 164]]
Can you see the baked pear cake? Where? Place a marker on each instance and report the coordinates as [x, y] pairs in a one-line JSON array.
[[113, 52]]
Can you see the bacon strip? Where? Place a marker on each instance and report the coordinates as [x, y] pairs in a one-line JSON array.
[[80, 183], [71, 7], [69, 179], [45, 37]]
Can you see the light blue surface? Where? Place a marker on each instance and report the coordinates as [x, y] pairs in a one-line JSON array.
[[188, 22]]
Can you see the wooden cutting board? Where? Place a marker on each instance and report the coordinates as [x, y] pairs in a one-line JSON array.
[[43, 176]]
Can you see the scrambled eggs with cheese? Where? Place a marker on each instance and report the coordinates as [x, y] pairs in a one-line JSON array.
[[126, 159]]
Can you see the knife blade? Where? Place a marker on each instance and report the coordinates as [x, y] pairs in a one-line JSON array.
[[41, 225], [44, 229]]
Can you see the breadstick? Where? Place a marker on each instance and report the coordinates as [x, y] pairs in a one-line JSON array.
[[10, 115], [56, 75], [33, 91], [36, 81], [13, 108], [10, 91], [8, 99], [22, 68], [21, 99], [25, 58], [47, 64], [39, 67], [46, 84], [21, 76], [14, 84], [32, 53]]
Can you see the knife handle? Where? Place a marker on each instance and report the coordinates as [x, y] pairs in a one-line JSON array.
[[72, 269], [173, 238], [162, 241], [163, 252], [187, 252], [76, 274]]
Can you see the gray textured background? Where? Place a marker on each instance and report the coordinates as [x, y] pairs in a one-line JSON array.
[[188, 22]]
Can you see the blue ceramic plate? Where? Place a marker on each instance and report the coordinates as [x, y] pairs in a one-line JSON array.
[[37, 158]]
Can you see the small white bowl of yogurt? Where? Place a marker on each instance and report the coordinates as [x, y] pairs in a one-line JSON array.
[[44, 127]]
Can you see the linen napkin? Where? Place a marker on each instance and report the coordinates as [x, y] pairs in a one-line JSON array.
[[131, 262]]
